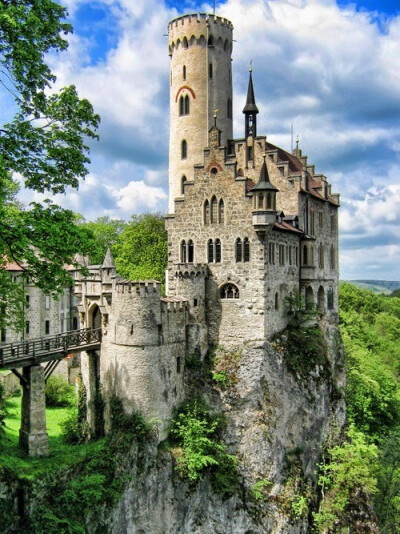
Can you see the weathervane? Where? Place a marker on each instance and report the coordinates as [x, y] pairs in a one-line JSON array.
[[251, 66]]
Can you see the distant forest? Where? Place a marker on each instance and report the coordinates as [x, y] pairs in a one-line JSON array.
[[377, 286]]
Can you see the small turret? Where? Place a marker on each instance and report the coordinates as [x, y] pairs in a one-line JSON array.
[[264, 201], [108, 268], [250, 110]]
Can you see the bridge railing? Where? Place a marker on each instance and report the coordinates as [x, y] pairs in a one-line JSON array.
[[41, 347]]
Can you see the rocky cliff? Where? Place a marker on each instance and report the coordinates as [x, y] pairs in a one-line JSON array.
[[278, 416]]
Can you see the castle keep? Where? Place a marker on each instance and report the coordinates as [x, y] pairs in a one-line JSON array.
[[249, 224]]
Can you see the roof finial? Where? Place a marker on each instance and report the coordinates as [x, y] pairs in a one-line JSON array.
[[251, 66], [215, 117], [297, 142]]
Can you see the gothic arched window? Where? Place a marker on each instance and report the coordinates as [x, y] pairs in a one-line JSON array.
[[181, 106], [187, 105], [217, 251], [211, 41], [210, 251], [246, 249], [332, 258], [183, 180], [229, 291], [184, 149], [214, 208], [190, 251], [321, 256], [221, 212], [206, 213], [330, 298], [183, 251], [238, 249]]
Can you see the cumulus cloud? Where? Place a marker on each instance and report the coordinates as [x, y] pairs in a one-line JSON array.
[[333, 72]]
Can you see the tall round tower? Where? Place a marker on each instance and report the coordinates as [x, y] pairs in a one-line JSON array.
[[200, 47]]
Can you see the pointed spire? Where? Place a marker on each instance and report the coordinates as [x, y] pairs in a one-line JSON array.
[[264, 184], [108, 262], [250, 106]]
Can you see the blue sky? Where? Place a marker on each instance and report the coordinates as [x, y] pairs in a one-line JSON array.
[[329, 67]]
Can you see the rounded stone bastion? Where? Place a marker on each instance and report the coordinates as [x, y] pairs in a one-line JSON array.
[[136, 312]]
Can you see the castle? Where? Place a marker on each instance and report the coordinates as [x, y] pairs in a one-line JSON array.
[[249, 224]]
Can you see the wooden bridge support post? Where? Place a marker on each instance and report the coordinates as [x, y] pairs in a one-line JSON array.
[[32, 435]]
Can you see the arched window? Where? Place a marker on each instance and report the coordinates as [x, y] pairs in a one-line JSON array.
[[187, 105], [184, 72], [246, 249], [214, 209], [206, 213], [181, 106], [312, 222], [217, 251], [305, 255], [210, 251], [277, 301], [210, 71], [221, 212], [185, 43], [321, 256], [330, 298], [332, 258], [183, 180], [229, 108], [184, 149], [309, 298], [190, 251], [183, 252], [229, 291], [238, 249], [211, 41], [321, 299]]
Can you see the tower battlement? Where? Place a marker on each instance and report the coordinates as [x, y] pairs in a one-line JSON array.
[[140, 288], [196, 22]]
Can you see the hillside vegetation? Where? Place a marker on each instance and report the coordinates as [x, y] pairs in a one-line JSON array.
[[370, 328]]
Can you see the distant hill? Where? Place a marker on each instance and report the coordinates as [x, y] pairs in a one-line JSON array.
[[377, 286]]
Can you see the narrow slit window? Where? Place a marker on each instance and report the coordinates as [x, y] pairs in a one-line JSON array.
[[238, 249], [246, 250], [218, 251], [184, 149], [190, 251]]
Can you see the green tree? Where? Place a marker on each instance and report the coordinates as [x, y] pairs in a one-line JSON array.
[[106, 232], [141, 250], [46, 143]]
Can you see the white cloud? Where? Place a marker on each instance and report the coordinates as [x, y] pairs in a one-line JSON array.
[[139, 197]]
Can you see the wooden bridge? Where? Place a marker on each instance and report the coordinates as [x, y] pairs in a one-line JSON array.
[[48, 348], [30, 355]]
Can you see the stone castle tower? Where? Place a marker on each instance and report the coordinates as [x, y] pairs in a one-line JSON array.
[[249, 224], [200, 48]]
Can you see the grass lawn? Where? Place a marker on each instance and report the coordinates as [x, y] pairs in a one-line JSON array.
[[60, 454]]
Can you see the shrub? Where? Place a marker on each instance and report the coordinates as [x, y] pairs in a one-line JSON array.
[[58, 392], [202, 450]]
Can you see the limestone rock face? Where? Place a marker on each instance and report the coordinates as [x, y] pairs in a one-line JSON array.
[[277, 423]]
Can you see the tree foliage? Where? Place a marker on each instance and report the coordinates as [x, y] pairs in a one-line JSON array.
[[141, 250], [106, 232], [45, 145], [370, 327]]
